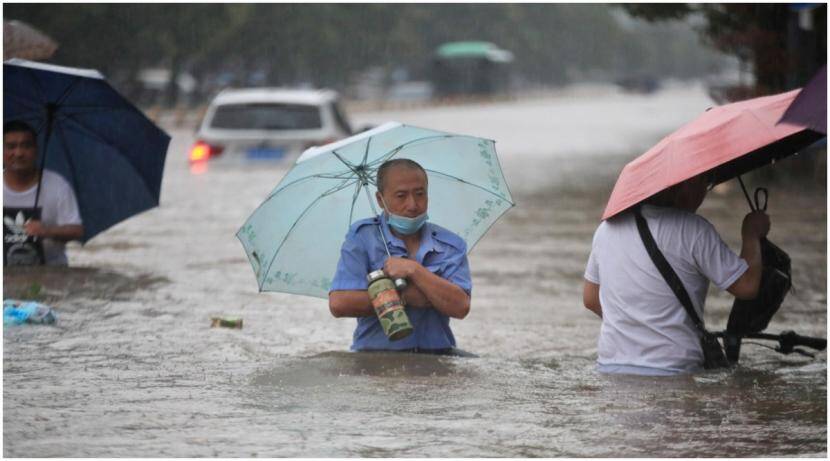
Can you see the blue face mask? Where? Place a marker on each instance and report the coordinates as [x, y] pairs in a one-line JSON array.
[[404, 225]]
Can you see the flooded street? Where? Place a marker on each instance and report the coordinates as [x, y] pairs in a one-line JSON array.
[[132, 368]]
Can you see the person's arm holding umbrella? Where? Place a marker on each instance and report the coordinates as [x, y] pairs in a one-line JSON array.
[[58, 219], [755, 227], [689, 195], [67, 225], [64, 233]]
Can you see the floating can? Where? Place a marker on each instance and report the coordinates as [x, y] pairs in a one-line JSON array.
[[388, 306], [226, 322]]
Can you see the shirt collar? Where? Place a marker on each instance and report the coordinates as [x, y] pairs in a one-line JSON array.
[[428, 242]]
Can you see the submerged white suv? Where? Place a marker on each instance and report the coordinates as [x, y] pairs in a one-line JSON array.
[[268, 124]]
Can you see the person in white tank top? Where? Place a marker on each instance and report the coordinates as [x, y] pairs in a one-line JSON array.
[[645, 329]]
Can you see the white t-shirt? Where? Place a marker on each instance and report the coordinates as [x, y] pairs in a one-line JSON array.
[[643, 322], [59, 207]]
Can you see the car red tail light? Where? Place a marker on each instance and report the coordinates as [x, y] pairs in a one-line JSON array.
[[202, 151]]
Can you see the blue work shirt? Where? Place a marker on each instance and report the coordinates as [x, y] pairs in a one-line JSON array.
[[442, 252]]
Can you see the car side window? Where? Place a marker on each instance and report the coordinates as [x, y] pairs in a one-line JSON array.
[[340, 119]]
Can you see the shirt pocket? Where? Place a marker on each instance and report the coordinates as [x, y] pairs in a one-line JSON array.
[[435, 265]]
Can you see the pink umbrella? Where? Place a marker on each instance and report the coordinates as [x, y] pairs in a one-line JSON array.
[[727, 141]]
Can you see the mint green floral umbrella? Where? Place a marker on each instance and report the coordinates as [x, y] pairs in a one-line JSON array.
[[293, 238]]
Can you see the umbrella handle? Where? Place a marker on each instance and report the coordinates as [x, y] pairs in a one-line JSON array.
[[761, 191], [746, 194]]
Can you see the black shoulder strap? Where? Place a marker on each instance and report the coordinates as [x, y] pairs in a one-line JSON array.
[[665, 268]]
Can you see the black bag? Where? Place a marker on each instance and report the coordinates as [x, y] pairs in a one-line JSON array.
[[713, 356], [753, 316]]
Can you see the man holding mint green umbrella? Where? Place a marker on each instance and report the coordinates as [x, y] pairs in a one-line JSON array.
[[432, 259]]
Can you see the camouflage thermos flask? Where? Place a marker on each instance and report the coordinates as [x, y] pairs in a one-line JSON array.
[[388, 306]]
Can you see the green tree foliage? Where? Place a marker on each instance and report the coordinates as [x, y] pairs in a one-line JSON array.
[[328, 44], [782, 55]]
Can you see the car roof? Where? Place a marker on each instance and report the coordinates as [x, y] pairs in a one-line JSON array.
[[283, 95]]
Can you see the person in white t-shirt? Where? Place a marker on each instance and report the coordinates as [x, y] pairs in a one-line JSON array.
[[645, 329], [60, 219]]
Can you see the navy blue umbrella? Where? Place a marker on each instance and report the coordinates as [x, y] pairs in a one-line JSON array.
[[110, 153]]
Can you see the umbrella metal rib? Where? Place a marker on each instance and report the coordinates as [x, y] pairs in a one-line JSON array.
[[63, 96], [68, 91], [363, 170], [44, 102], [343, 175], [358, 186], [359, 170], [438, 173], [386, 156], [345, 162], [366, 152], [333, 190]]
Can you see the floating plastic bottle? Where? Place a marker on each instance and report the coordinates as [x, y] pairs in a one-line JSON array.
[[16, 312]]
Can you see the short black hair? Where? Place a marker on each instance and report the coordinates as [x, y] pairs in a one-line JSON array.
[[15, 126], [402, 162], [664, 198]]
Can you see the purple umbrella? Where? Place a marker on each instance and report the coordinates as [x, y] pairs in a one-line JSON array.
[[810, 106]]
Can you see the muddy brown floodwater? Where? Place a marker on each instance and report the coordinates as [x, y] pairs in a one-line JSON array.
[[132, 367]]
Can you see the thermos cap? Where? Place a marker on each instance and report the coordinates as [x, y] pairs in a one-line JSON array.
[[375, 275]]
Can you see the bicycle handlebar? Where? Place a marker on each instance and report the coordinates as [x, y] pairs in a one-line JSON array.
[[787, 340], [790, 339]]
